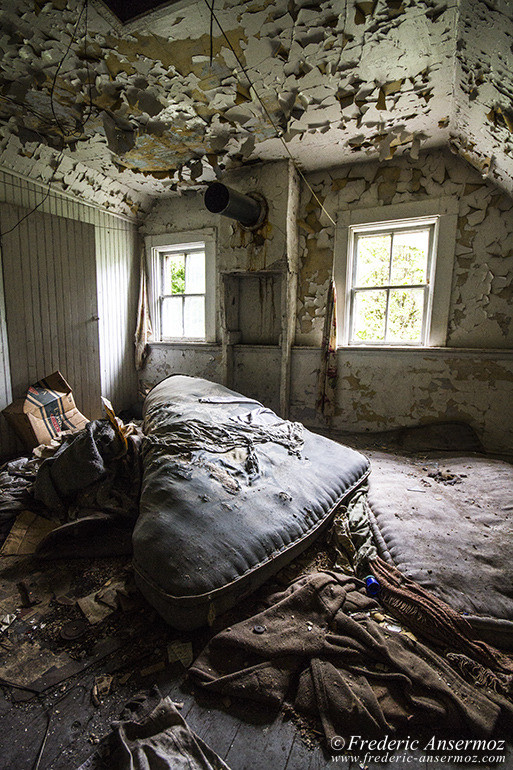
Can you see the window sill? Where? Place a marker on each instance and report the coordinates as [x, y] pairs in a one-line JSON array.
[[184, 344], [425, 350]]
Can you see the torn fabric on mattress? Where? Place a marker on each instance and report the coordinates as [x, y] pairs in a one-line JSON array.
[[318, 647], [231, 493], [179, 435]]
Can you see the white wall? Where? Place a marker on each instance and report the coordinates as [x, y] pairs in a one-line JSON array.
[[98, 294], [382, 388]]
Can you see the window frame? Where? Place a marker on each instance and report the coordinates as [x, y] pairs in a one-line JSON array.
[[158, 245], [443, 211]]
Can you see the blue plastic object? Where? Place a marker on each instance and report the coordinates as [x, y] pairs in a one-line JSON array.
[[372, 586]]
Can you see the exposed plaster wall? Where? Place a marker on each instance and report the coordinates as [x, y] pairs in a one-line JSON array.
[[197, 361], [482, 129], [427, 385], [257, 260], [378, 390], [482, 288]]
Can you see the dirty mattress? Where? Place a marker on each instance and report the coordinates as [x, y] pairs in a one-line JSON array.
[[230, 494], [445, 520]]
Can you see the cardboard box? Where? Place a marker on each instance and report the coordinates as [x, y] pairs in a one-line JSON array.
[[47, 410]]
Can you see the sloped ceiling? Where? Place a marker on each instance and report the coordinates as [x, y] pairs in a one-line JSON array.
[[132, 111]]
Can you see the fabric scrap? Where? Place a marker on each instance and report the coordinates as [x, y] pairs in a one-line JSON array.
[[26, 534], [159, 740], [322, 651]]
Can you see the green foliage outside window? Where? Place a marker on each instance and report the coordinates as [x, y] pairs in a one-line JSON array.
[[174, 273], [382, 262]]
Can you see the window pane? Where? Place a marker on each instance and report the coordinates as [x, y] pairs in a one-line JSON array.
[[194, 317], [195, 273], [372, 260], [369, 315], [405, 309], [173, 274], [410, 257], [171, 317]]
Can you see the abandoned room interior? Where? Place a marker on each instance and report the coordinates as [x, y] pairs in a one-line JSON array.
[[256, 423]]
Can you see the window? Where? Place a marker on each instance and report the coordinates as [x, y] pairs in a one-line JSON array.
[[180, 272], [393, 273], [182, 292], [391, 283]]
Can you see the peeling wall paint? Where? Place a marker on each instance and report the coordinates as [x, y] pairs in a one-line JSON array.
[[146, 106], [251, 270], [482, 290], [482, 131], [379, 390], [428, 384]]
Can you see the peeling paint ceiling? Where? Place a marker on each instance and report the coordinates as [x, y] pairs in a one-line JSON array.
[[142, 109]]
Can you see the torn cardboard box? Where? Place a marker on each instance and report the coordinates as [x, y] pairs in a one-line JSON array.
[[47, 410]]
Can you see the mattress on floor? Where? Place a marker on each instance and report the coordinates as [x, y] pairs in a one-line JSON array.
[[445, 519], [217, 521]]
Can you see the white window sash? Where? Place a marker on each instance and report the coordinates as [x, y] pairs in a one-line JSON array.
[[441, 211], [185, 241]]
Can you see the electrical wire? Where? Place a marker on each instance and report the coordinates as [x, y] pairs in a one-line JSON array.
[[86, 33], [266, 112], [58, 69], [28, 214], [65, 134], [212, 34]]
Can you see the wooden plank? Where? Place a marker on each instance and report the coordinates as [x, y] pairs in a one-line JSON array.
[[216, 727], [260, 745], [32, 234], [301, 756], [51, 307], [64, 337], [15, 278]]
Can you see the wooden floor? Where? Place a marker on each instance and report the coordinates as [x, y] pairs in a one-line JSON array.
[[243, 739], [59, 727], [244, 742]]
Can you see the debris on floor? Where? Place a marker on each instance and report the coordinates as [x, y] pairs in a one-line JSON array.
[[445, 477], [27, 532]]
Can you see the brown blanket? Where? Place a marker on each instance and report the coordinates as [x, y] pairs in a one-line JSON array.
[[317, 646]]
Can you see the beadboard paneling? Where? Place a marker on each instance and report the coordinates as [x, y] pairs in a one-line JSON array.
[[50, 300], [107, 293]]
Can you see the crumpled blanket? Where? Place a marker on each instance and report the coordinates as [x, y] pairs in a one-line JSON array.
[[317, 646], [160, 740], [90, 483], [16, 481], [83, 459]]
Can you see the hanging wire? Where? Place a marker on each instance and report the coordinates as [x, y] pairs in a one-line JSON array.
[[64, 132], [266, 112], [86, 33], [38, 205], [72, 40], [212, 34]]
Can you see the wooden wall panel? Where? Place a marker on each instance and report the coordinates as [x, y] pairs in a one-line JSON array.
[[104, 289], [51, 311]]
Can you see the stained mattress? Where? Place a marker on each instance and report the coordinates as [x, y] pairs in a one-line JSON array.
[[230, 494], [445, 520]]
